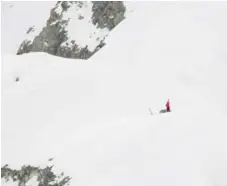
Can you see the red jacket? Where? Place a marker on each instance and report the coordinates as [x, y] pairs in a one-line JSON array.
[[167, 104]]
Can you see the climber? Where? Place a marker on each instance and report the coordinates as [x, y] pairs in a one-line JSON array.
[[168, 106]]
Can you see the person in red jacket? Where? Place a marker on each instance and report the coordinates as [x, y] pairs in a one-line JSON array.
[[168, 106]]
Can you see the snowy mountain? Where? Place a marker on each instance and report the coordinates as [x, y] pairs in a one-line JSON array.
[[92, 117], [75, 29]]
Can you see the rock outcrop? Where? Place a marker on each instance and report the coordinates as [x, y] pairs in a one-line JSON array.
[[44, 176], [75, 29]]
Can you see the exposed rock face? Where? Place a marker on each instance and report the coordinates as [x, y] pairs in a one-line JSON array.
[[44, 177], [107, 13], [75, 29]]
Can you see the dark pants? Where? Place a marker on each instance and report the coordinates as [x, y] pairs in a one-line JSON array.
[[168, 109]]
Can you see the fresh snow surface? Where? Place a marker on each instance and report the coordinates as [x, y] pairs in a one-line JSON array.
[[9, 183], [33, 181], [92, 116]]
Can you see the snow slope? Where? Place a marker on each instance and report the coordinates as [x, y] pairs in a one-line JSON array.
[[93, 118]]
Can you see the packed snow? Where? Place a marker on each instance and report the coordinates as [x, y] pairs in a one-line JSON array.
[[93, 116]]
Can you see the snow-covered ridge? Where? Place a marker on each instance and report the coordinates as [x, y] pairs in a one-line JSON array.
[[75, 29]]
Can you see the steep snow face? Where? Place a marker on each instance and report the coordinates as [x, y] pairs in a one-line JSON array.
[[92, 116], [186, 40]]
